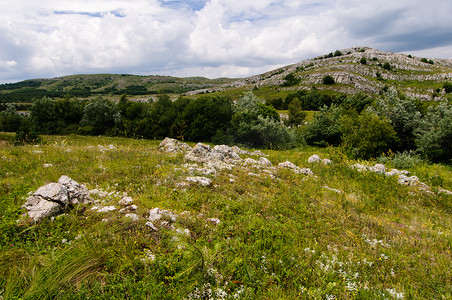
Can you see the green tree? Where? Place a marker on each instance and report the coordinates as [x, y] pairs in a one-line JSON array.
[[324, 129], [43, 117], [447, 86], [434, 135], [10, 120], [296, 113], [291, 79], [387, 66], [100, 116], [366, 135], [363, 61]]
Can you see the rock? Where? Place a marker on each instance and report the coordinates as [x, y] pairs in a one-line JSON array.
[[133, 217], [156, 214], [213, 221], [152, 226], [173, 145], [379, 168], [327, 161], [413, 180], [47, 165], [314, 159], [78, 193], [203, 153], [295, 168], [54, 192], [199, 180], [240, 151], [249, 162], [258, 153], [228, 152], [38, 208], [126, 201], [263, 161], [103, 209]]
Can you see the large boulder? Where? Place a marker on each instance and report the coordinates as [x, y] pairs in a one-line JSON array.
[[228, 152], [55, 197]]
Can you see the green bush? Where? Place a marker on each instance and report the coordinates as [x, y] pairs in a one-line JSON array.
[[291, 79], [328, 79], [363, 61], [296, 114], [101, 114], [447, 86], [367, 135], [387, 66]]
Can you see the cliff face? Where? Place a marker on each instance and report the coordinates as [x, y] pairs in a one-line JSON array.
[[358, 69]]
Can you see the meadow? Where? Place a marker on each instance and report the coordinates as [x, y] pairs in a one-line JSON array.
[[340, 234]]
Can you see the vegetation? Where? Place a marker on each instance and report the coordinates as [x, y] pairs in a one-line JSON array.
[[343, 233], [328, 79]]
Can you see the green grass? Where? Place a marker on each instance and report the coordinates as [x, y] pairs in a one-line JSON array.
[[287, 237]]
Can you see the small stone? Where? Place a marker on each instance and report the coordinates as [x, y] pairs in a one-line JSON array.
[[314, 159], [126, 201], [132, 216], [152, 226], [199, 180], [213, 221]]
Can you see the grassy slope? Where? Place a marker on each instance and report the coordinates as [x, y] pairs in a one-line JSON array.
[[288, 237]]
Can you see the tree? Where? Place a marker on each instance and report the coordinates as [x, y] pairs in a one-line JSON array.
[[42, 114], [10, 120], [387, 66], [363, 61], [434, 135], [447, 86], [296, 113], [100, 116], [324, 129]]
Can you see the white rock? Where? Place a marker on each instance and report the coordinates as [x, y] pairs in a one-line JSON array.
[[47, 165], [132, 216], [213, 221], [379, 168], [126, 201], [152, 226], [173, 145], [314, 159], [326, 161], [199, 180], [263, 161]]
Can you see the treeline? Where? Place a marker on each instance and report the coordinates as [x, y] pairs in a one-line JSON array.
[[363, 126]]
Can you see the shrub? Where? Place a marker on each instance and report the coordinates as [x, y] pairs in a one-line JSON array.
[[387, 66], [367, 135], [291, 79], [328, 80], [363, 61], [447, 86], [337, 53]]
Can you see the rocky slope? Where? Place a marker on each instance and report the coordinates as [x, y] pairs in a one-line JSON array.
[[358, 69]]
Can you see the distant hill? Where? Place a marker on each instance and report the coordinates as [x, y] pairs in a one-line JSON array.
[[358, 69], [103, 84]]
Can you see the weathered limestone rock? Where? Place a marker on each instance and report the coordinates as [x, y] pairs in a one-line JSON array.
[[78, 193], [326, 161], [47, 201], [228, 152], [295, 168], [173, 145], [263, 161], [156, 214], [199, 180], [203, 153], [314, 159]]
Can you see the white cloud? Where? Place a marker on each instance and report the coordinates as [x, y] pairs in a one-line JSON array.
[[213, 37]]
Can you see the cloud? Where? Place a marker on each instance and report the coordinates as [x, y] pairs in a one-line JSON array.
[[213, 37]]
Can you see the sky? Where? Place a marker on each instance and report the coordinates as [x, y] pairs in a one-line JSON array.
[[210, 38]]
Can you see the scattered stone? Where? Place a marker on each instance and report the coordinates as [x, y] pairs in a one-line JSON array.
[[443, 191], [111, 147], [47, 165], [327, 161], [132, 216], [152, 226], [240, 151], [379, 168], [295, 168], [199, 180], [213, 221], [173, 145], [103, 209], [314, 159], [331, 189], [126, 201], [156, 214], [405, 180], [263, 161]]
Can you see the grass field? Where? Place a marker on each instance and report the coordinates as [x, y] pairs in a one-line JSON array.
[[340, 234]]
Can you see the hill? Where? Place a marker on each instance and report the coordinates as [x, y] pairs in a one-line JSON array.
[[354, 70], [103, 84]]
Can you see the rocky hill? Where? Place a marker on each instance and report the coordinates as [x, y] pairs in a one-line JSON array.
[[358, 69]]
